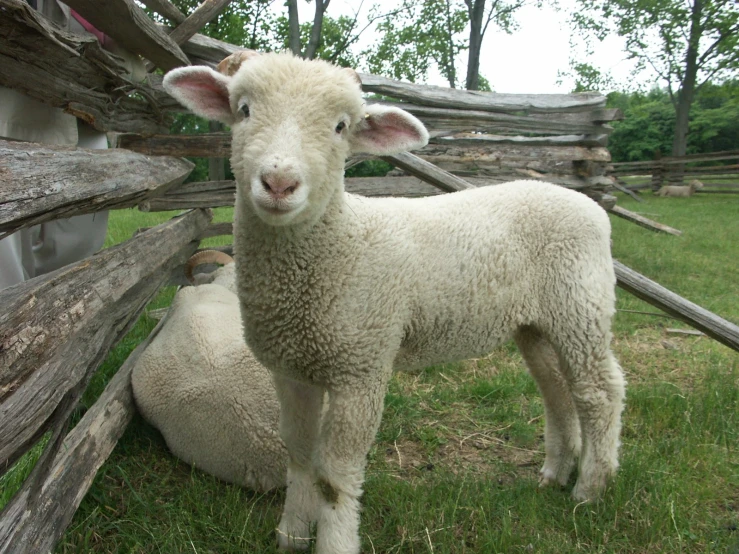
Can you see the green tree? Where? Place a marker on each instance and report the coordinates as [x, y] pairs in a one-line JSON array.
[[649, 122], [428, 32], [687, 43]]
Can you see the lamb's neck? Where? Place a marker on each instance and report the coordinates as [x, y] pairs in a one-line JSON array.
[[310, 242]]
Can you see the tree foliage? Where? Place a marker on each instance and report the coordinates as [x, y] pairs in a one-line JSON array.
[[649, 122], [428, 33], [424, 33], [686, 42]]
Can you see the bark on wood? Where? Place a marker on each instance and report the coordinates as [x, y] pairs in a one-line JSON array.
[[217, 230], [487, 158], [133, 29], [32, 523], [619, 186], [689, 332], [197, 19], [442, 97], [711, 324], [56, 329], [207, 194], [419, 167], [216, 166], [476, 139], [166, 9], [441, 121], [644, 221], [72, 72], [39, 183], [217, 145], [205, 50]]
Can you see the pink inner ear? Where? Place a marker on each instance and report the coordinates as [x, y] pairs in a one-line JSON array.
[[390, 129], [205, 94]]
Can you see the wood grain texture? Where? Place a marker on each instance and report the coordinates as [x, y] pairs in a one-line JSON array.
[[133, 30], [166, 9], [714, 326], [428, 172], [40, 183], [644, 221], [443, 97], [36, 517], [207, 145], [57, 328], [195, 21], [72, 72]]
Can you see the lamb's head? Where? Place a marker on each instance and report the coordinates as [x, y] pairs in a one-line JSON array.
[[224, 276], [695, 184], [294, 123]]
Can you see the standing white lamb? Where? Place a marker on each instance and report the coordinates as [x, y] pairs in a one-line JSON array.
[[200, 386], [338, 290]]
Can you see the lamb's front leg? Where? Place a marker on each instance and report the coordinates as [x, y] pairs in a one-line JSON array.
[[300, 419], [348, 431]]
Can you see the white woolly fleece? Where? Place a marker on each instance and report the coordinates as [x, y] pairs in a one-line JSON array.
[[213, 402]]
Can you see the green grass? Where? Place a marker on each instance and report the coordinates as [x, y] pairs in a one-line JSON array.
[[455, 465]]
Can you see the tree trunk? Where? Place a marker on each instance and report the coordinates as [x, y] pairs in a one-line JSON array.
[[293, 27], [687, 87], [476, 10], [451, 69], [315, 33]]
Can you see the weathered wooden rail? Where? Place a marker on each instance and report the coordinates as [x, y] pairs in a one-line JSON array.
[[55, 330], [678, 169]]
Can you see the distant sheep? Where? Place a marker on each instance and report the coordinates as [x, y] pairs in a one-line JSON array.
[[200, 386], [680, 190], [338, 290]]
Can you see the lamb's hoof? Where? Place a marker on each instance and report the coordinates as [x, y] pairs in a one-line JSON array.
[[587, 493], [292, 544], [292, 541], [551, 478]]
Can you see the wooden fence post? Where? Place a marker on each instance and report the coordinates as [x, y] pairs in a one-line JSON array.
[[658, 171]]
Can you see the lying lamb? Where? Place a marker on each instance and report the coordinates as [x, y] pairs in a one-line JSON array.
[[200, 386], [679, 190], [338, 290]]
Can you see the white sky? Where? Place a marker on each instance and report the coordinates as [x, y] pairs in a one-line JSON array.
[[526, 61]]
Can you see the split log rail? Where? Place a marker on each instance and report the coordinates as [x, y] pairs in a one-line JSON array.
[[56, 329], [720, 170]]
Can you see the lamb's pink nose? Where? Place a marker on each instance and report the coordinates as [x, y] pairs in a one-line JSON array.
[[280, 185]]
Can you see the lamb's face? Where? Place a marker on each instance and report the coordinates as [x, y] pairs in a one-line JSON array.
[[292, 135], [294, 123]]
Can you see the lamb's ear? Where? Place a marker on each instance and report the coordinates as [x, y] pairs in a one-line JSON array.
[[230, 65], [202, 90], [388, 130]]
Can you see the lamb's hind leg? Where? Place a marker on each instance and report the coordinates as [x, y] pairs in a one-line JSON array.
[[300, 418], [562, 427], [598, 389]]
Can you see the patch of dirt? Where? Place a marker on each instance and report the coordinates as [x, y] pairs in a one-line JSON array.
[[477, 454]]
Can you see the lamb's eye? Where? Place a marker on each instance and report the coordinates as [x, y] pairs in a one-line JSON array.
[[244, 109], [340, 127]]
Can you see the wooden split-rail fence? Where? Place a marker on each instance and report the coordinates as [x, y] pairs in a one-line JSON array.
[[56, 329], [719, 172]]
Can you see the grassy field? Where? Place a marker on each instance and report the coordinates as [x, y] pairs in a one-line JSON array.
[[455, 465]]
